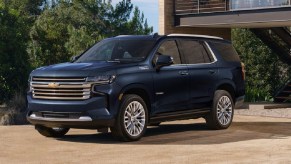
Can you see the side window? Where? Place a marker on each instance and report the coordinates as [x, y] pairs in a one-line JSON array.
[[227, 51], [194, 52], [170, 48]]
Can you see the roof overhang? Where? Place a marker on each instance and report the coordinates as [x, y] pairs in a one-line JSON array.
[[260, 18]]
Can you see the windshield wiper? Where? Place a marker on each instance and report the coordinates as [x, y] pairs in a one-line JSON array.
[[129, 59]]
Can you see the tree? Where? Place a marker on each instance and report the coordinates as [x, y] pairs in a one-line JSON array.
[[14, 63], [71, 26], [138, 25]]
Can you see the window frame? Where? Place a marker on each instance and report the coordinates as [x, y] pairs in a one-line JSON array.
[[209, 52], [159, 45], [222, 55]]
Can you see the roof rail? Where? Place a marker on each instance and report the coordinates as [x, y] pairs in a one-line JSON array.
[[197, 36], [122, 35]]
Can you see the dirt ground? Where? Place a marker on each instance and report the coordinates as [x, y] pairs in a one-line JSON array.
[[250, 139]]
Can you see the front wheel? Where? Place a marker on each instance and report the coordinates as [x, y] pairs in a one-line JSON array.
[[132, 119], [221, 114], [51, 132]]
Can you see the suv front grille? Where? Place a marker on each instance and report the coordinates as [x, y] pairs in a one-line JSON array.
[[60, 88]]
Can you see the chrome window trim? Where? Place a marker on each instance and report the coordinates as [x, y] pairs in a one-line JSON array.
[[211, 53]]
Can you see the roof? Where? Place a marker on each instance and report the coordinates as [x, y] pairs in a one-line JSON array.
[[151, 37], [196, 36], [157, 37]]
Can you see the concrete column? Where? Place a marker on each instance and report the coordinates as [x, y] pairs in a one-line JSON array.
[[167, 23]]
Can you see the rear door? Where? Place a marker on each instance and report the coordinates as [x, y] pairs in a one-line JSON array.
[[171, 83], [203, 71]]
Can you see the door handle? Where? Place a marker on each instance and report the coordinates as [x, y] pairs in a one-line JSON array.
[[211, 71], [183, 73]]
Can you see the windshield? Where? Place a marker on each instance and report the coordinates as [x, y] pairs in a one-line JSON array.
[[113, 50]]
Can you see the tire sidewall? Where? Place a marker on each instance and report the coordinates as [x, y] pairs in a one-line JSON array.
[[217, 96], [125, 102]]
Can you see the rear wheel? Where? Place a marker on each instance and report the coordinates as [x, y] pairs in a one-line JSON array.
[[51, 132], [221, 114], [132, 119]]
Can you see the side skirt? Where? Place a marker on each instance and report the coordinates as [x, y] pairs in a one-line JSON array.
[[179, 115]]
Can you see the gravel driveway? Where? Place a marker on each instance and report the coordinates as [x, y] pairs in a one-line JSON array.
[[250, 139]]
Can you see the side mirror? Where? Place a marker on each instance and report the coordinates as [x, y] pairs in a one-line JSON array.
[[164, 60]]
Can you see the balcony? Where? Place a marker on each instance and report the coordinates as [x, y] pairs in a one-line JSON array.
[[200, 6], [257, 4], [209, 6], [233, 13]]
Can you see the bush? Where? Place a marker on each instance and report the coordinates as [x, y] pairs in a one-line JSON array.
[[15, 112], [265, 73]]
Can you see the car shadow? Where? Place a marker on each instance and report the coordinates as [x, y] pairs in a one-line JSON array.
[[194, 134]]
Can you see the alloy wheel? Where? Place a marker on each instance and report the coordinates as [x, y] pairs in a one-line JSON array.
[[224, 110], [134, 118]]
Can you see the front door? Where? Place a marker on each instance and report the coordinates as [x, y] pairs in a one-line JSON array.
[[171, 83]]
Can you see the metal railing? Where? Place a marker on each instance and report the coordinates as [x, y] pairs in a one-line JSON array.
[[209, 6], [200, 6], [257, 4]]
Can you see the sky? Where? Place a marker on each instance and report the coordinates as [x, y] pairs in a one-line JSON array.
[[150, 9]]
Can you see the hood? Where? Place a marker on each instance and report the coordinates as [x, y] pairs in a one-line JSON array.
[[76, 69], [78, 66]]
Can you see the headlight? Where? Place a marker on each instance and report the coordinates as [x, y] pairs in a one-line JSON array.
[[102, 79]]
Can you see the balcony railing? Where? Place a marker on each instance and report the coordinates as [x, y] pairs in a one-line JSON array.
[[257, 4], [200, 6], [209, 6]]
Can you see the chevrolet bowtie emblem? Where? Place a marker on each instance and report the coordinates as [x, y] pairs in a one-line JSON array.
[[53, 85]]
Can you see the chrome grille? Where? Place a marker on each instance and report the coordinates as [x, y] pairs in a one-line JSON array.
[[54, 88]]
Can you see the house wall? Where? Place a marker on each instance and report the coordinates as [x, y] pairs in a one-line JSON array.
[[167, 23]]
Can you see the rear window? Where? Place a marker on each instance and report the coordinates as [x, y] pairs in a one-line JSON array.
[[227, 52]]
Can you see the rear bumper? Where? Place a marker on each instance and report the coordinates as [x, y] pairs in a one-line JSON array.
[[239, 101], [87, 114]]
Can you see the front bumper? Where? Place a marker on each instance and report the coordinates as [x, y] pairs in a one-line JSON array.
[[88, 114]]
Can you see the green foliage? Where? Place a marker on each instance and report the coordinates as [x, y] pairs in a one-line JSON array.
[[265, 73], [14, 27], [69, 27]]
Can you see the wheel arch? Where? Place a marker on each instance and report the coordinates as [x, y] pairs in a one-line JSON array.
[[229, 87], [140, 90]]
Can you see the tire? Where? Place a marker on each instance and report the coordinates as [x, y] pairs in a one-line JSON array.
[[221, 115], [132, 119], [51, 132]]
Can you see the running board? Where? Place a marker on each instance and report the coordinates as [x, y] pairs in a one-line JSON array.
[[188, 114]]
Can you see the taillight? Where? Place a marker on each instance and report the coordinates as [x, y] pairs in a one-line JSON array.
[[243, 70]]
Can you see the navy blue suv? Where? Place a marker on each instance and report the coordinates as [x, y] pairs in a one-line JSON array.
[[127, 83]]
